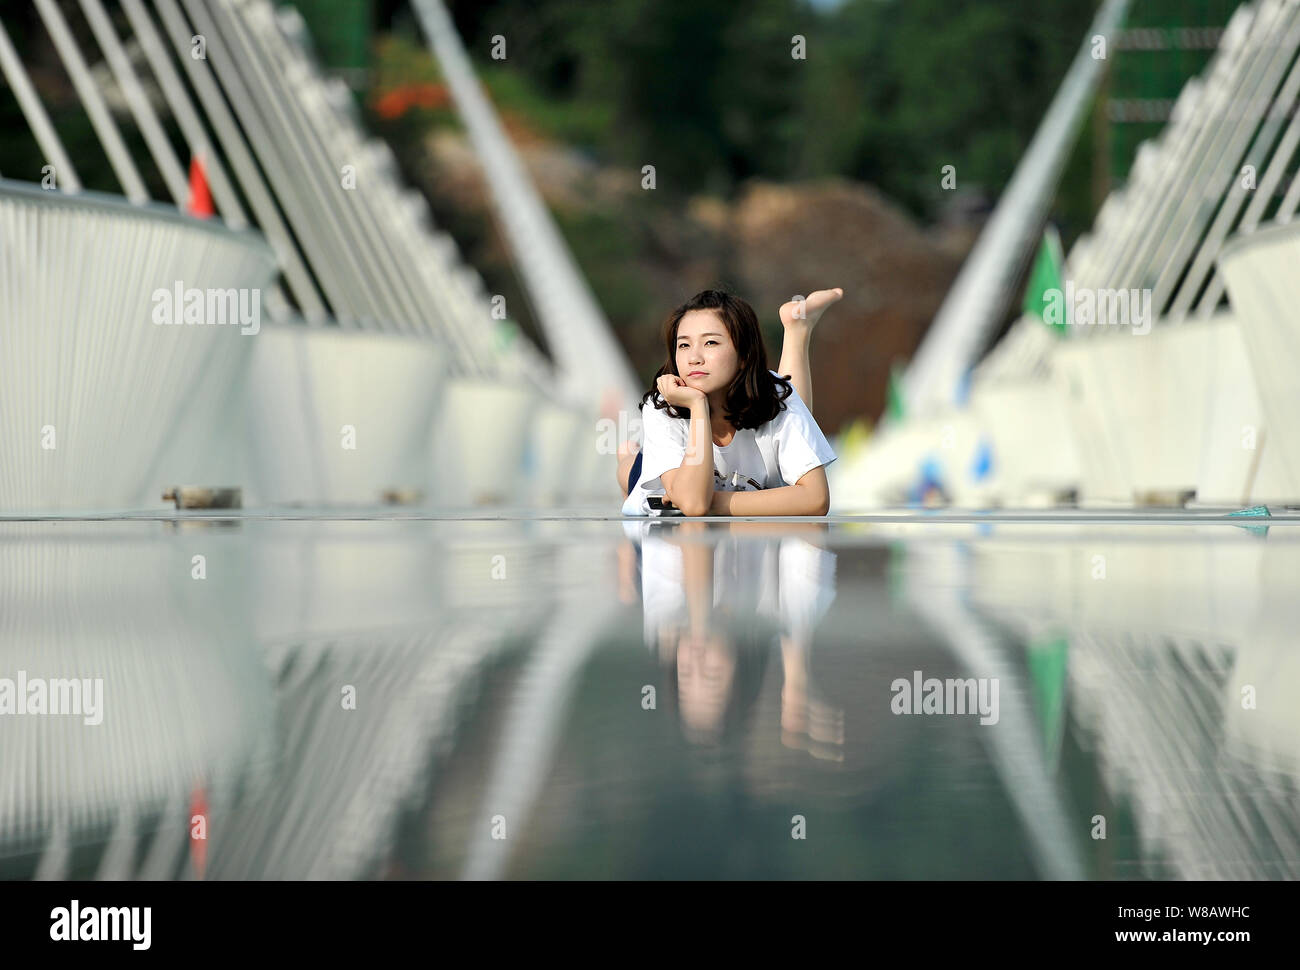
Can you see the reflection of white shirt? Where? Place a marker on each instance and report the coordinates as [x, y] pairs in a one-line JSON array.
[[789, 580], [777, 453]]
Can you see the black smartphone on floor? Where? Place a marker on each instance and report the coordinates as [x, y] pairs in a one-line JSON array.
[[662, 505]]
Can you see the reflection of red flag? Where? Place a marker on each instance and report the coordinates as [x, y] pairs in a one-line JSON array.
[[199, 846], [200, 203]]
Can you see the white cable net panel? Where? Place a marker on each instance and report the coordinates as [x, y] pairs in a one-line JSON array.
[[340, 416], [1264, 285], [92, 386]]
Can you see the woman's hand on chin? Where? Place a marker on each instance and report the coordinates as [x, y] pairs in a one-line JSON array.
[[677, 392]]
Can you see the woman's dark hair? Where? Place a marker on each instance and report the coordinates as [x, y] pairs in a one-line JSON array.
[[755, 396]]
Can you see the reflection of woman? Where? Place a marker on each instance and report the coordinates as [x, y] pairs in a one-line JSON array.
[[714, 609]]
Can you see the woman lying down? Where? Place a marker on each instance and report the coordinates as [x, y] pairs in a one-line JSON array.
[[723, 435]]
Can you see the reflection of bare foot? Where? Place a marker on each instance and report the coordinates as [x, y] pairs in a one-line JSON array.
[[805, 313], [810, 724], [825, 752], [826, 730], [628, 587], [794, 740]]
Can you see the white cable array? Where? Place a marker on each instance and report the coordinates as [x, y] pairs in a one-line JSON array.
[[93, 101], [39, 122]]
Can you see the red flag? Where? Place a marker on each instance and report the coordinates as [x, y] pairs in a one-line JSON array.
[[200, 203], [199, 843]]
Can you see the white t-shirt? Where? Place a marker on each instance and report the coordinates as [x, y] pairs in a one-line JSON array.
[[792, 440]]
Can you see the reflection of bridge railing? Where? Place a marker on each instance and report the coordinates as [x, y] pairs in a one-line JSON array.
[[184, 702], [401, 621], [1158, 712], [349, 774], [234, 688], [1183, 679]]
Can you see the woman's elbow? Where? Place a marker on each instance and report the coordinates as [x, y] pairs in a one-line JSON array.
[[821, 502], [691, 505], [816, 497]]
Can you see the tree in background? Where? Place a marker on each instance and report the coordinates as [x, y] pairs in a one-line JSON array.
[[707, 90]]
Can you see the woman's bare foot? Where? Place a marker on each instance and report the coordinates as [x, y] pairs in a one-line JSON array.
[[806, 312], [799, 317]]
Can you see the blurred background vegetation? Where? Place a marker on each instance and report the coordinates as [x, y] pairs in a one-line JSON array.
[[889, 92]]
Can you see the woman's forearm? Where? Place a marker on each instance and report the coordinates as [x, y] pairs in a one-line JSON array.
[[786, 500], [692, 489]]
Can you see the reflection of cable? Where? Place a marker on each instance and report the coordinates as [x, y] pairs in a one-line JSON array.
[[1012, 744]]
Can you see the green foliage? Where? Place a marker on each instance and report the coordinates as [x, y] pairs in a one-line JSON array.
[[400, 61], [906, 88], [604, 242], [703, 89], [708, 92], [578, 123], [339, 29]]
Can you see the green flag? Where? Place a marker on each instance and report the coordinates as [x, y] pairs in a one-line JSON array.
[[1047, 673], [1044, 278], [894, 409]]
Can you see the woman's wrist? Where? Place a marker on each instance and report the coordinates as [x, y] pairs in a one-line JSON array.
[[699, 442]]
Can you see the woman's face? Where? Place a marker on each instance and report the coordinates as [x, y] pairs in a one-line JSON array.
[[706, 357]]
